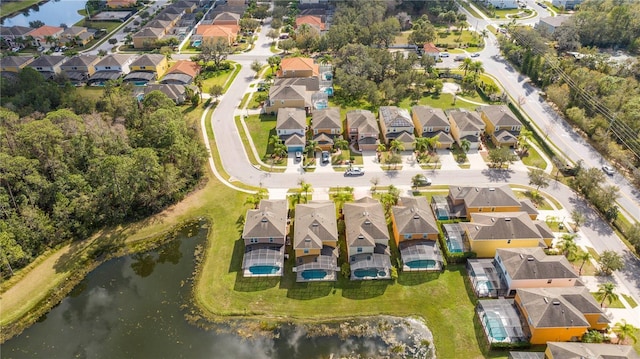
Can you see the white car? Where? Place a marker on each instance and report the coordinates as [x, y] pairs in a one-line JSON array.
[[608, 170], [444, 54], [475, 54], [354, 171]]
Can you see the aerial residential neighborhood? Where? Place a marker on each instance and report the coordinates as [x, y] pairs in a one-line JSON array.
[[342, 168]]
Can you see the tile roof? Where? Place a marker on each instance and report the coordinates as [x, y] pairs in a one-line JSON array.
[[501, 225], [577, 350], [311, 20], [413, 216], [467, 120], [430, 48], [498, 196], [327, 118], [315, 224], [291, 118], [45, 30], [534, 263], [365, 224], [299, 64], [558, 307], [186, 67], [500, 115], [148, 60], [365, 121], [430, 117], [149, 32], [230, 31], [269, 220], [226, 16]]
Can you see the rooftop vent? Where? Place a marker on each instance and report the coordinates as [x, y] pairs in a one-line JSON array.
[[416, 217], [263, 220], [367, 222], [491, 189], [556, 302], [530, 259], [361, 237], [507, 219], [546, 300]]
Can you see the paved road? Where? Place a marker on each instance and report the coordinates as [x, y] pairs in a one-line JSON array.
[[236, 163]]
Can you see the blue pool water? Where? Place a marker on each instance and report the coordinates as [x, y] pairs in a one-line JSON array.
[[329, 91], [314, 274], [495, 328], [454, 247], [362, 273], [264, 269], [424, 263], [321, 106]]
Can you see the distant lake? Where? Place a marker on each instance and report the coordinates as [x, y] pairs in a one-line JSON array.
[[53, 13], [135, 307]]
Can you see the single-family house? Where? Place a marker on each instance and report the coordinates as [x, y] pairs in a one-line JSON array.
[[362, 128], [215, 33], [314, 21], [501, 125], [177, 93], [463, 201], [73, 35], [326, 125], [264, 234], [292, 122], [171, 18], [548, 25], [80, 67], [416, 234], [287, 96], [466, 125], [110, 67], [147, 37], [514, 268], [14, 63], [298, 67], [566, 4], [432, 122], [315, 242], [367, 239], [13, 36], [147, 68], [580, 350], [429, 49], [115, 4], [396, 124], [182, 72], [311, 84], [486, 232], [48, 65], [43, 35], [227, 18], [187, 6], [559, 314]]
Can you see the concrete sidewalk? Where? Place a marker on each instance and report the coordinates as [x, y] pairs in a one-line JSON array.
[[631, 315]]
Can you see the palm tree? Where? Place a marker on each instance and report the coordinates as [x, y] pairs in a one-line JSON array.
[[607, 291], [198, 81], [254, 199], [465, 145], [312, 147], [433, 143], [422, 144], [396, 146], [325, 59], [306, 188], [466, 65], [625, 331], [345, 194], [295, 198], [274, 62], [584, 257], [477, 68], [568, 246], [340, 143]]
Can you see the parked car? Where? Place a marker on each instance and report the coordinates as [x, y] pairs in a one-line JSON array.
[[444, 54], [421, 181], [298, 155], [475, 54], [326, 157], [354, 171], [608, 170]]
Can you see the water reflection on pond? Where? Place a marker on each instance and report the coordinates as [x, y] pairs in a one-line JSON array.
[[53, 13], [134, 307]]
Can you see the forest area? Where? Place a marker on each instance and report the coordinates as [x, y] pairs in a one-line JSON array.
[[70, 165], [597, 94]]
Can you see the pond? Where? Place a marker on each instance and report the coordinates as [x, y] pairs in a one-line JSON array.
[[135, 306], [53, 13]]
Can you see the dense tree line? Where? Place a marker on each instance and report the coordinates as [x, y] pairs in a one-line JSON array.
[[64, 175], [581, 88], [608, 23]]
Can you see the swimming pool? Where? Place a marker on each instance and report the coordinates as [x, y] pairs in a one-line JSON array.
[[264, 269], [369, 273], [494, 327], [484, 288], [314, 274], [197, 43], [422, 263]]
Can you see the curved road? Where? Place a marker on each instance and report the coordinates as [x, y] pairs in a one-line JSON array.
[[236, 162]]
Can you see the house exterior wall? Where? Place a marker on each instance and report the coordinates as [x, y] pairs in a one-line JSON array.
[[289, 131], [160, 69], [307, 252], [144, 42], [486, 248], [353, 250], [471, 210], [274, 106], [593, 321], [544, 335], [274, 240]]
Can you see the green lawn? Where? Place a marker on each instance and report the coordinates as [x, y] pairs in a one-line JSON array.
[[219, 78], [261, 128], [468, 7], [534, 159], [9, 7], [630, 300], [615, 304], [443, 101], [403, 37]]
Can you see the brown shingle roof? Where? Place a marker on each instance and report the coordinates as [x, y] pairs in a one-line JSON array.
[[269, 220], [467, 120], [430, 117], [364, 120], [315, 224], [570, 350], [365, 223], [501, 225], [501, 115], [414, 216], [558, 307], [291, 118], [533, 263], [327, 118], [499, 196]]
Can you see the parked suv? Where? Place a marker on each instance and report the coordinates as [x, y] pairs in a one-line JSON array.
[[326, 157]]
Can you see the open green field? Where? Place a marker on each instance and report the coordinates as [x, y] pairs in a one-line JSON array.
[[219, 78], [8, 8], [444, 101]]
